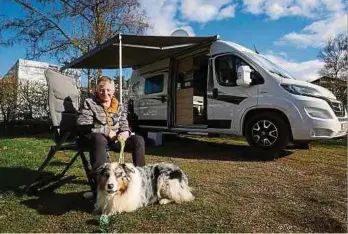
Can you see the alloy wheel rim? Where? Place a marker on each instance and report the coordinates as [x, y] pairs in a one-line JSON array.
[[264, 133]]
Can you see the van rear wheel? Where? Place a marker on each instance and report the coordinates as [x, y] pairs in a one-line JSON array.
[[267, 132]]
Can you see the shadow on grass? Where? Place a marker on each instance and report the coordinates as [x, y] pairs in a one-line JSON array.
[[94, 223], [321, 222], [188, 148], [13, 179], [47, 201], [52, 203]]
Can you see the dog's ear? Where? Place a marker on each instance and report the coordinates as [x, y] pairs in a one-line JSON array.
[[100, 170], [128, 168]]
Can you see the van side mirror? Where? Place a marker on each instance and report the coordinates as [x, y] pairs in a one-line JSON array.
[[243, 75]]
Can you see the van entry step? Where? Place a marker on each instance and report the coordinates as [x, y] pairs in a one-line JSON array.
[[155, 138], [198, 133]]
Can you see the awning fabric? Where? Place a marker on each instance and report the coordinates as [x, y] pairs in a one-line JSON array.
[[136, 51]]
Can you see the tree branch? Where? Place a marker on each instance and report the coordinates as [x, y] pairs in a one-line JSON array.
[[57, 27], [80, 12]]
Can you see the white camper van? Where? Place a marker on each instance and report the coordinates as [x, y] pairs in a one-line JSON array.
[[226, 88], [205, 85]]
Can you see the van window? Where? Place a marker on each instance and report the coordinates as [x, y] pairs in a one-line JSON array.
[[226, 68], [154, 84]]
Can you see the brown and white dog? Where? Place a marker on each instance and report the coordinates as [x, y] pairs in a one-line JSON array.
[[125, 188]]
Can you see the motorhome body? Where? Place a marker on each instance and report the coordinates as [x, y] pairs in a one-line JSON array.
[[226, 88]]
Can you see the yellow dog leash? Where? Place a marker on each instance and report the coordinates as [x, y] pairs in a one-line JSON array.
[[122, 143]]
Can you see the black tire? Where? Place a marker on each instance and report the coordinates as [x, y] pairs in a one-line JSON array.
[[267, 132]]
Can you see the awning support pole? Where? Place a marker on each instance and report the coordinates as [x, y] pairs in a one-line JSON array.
[[120, 64]]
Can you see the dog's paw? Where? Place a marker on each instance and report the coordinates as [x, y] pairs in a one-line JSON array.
[[164, 201], [97, 209]]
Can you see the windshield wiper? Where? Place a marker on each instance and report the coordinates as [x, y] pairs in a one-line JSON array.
[[278, 73]]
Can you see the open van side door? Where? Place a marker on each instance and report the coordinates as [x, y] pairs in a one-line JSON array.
[[151, 105], [225, 99]]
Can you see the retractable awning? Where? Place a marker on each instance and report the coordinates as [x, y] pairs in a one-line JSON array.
[[136, 51]]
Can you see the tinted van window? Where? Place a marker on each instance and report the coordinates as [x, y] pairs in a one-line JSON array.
[[154, 84]]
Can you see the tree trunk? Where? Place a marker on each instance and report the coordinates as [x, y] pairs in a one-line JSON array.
[[88, 81]]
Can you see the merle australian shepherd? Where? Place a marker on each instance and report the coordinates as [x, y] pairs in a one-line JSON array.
[[125, 188]]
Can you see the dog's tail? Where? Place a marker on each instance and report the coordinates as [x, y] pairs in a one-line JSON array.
[[175, 188]]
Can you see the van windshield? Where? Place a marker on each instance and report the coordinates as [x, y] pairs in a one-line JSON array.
[[270, 66]]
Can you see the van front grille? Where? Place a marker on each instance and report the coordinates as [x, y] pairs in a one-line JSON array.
[[337, 108]]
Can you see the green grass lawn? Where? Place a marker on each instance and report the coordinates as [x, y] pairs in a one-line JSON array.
[[303, 191]]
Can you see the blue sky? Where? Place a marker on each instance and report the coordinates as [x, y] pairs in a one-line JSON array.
[[288, 32]]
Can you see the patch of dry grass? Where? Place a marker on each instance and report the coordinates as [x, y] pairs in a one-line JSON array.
[[236, 191]]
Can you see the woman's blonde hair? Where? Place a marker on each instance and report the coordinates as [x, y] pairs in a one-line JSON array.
[[105, 79]]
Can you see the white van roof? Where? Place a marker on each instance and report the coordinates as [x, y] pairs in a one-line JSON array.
[[136, 50], [220, 46]]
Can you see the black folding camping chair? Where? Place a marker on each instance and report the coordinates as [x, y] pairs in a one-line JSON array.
[[64, 100]]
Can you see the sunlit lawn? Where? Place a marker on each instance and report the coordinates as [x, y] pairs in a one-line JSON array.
[[303, 191]]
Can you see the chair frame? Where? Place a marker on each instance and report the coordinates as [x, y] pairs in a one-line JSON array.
[[37, 185], [61, 144]]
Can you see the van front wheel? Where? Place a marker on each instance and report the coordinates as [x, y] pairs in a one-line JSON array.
[[267, 131]]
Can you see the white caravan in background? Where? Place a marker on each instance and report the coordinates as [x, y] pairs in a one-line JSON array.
[[225, 88]]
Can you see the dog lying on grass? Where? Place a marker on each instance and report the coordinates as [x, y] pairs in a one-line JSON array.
[[125, 188]]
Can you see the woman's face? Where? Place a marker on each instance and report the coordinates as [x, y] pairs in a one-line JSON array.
[[105, 92]]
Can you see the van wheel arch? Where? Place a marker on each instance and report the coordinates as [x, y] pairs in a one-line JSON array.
[[254, 112], [267, 131]]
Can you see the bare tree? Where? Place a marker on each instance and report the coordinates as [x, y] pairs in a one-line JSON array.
[[8, 99], [335, 57], [335, 70], [33, 100], [66, 29], [125, 97]]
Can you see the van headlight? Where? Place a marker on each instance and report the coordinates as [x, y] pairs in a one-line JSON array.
[[318, 113], [301, 90]]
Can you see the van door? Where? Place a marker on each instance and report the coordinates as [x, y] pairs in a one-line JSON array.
[[190, 90], [152, 104], [226, 101], [184, 92]]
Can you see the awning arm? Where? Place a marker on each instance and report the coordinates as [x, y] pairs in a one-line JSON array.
[[154, 47], [120, 65]]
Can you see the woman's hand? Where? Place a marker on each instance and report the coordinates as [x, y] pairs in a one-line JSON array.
[[123, 135]]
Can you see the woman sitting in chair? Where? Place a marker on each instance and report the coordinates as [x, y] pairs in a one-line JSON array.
[[109, 123]]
